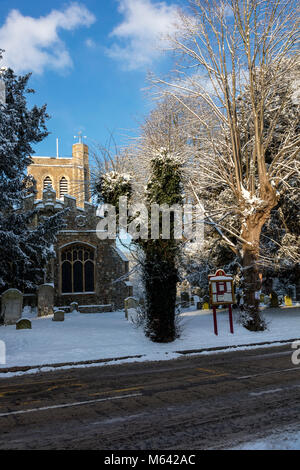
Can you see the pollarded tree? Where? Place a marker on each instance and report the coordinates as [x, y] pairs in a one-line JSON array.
[[161, 254], [238, 52], [25, 247], [152, 177], [160, 161]]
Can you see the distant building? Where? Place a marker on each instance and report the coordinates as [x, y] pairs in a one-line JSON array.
[[86, 269]]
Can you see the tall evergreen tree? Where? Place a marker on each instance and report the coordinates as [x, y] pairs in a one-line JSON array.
[[25, 244]]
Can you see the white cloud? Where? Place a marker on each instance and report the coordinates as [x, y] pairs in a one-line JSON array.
[[139, 36], [90, 43], [33, 44]]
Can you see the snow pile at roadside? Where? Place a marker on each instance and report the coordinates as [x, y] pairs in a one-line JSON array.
[[282, 440]]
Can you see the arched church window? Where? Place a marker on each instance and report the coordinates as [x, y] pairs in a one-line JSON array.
[[47, 182], [63, 187], [77, 269]]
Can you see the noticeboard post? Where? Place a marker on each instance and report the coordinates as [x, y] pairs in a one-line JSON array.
[[221, 292]]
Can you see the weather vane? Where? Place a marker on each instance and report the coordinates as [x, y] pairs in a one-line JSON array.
[[80, 137]]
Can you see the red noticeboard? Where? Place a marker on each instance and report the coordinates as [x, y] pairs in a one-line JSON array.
[[221, 292]]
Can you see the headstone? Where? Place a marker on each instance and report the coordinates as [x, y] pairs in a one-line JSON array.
[[196, 301], [132, 314], [45, 300], [274, 300], [74, 307], [130, 302], [262, 298], [288, 301], [185, 299], [59, 315], [11, 306], [23, 324]]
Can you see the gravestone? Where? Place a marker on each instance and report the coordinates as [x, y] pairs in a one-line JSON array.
[[132, 315], [45, 300], [11, 306], [74, 307], [59, 315], [23, 324], [130, 302], [197, 302], [185, 299], [274, 303]]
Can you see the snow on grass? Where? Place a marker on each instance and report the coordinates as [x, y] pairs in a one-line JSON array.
[[83, 337]]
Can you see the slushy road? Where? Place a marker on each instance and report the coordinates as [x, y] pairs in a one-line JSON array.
[[195, 402]]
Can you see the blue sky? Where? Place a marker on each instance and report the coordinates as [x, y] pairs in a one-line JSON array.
[[89, 61]]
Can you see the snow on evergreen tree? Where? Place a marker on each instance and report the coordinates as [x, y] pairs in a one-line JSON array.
[[111, 186], [160, 266], [25, 246]]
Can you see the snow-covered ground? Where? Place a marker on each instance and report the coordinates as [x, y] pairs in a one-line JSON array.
[[83, 337], [288, 439]]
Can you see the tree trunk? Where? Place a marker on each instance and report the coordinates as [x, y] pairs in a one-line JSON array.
[[160, 278], [251, 282], [251, 315], [251, 232]]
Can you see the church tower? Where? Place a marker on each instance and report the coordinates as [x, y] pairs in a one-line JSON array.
[[66, 175]]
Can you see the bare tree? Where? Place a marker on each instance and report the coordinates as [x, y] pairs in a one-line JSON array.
[[236, 56]]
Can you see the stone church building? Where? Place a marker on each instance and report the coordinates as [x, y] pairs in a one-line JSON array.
[[86, 269]]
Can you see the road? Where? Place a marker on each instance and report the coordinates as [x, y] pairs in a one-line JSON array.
[[191, 403]]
